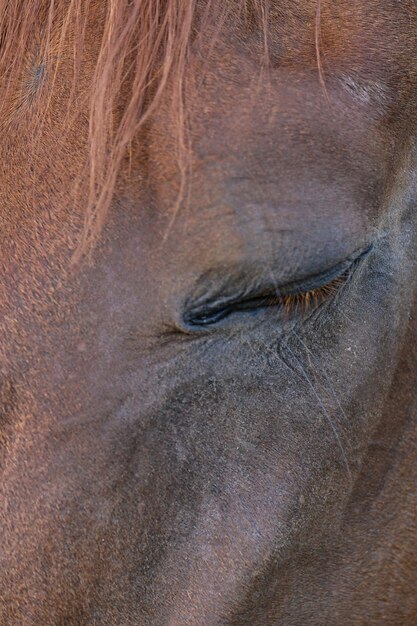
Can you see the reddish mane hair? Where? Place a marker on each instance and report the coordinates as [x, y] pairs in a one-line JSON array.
[[143, 47]]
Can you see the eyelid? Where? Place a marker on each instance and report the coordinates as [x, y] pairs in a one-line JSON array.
[[272, 297], [315, 289]]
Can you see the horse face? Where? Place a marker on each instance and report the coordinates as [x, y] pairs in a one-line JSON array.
[[197, 421]]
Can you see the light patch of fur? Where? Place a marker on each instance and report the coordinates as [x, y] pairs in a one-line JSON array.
[[364, 92]]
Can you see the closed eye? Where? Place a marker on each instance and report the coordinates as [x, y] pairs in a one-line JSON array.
[[295, 299], [291, 304]]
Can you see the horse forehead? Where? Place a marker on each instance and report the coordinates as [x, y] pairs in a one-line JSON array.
[[363, 52], [294, 30]]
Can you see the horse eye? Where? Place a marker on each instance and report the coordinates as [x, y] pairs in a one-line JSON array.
[[289, 304], [298, 298]]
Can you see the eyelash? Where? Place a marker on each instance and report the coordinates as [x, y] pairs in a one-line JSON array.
[[300, 303], [309, 300]]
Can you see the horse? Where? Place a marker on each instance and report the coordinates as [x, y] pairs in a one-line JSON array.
[[208, 338]]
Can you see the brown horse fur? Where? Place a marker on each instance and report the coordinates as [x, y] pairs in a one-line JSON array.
[[260, 468], [142, 47]]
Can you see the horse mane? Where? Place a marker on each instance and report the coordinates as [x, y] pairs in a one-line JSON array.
[[144, 47]]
